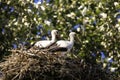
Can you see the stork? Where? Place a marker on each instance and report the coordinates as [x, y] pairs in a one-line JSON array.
[[46, 43], [64, 45]]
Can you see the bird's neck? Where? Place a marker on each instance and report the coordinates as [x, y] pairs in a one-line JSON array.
[[53, 38], [71, 39]]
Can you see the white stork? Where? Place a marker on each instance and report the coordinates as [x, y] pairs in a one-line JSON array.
[[46, 43], [63, 45]]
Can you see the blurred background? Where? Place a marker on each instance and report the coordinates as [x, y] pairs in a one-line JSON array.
[[96, 22]]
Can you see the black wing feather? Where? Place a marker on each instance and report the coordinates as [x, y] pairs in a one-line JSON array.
[[57, 49]]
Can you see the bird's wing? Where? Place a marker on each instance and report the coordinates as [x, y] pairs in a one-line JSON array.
[[51, 45], [58, 49], [40, 45], [59, 46], [43, 44]]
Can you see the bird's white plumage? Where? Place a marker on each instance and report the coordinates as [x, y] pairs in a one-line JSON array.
[[47, 43], [65, 44], [43, 44]]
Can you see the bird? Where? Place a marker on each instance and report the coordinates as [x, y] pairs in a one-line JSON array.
[[45, 43], [64, 45]]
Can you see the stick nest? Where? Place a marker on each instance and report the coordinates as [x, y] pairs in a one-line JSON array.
[[21, 65]]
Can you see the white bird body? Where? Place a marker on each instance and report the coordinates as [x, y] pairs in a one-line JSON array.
[[46, 43], [63, 45], [43, 44]]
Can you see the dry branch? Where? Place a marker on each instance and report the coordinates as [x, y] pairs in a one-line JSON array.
[[40, 65]]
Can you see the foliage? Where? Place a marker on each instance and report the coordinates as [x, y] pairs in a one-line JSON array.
[[97, 23]]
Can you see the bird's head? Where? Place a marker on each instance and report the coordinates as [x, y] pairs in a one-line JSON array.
[[54, 32], [72, 34]]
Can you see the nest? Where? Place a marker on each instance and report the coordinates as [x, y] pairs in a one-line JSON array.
[[45, 66]]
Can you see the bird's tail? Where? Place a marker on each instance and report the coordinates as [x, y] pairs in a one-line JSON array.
[[30, 46]]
